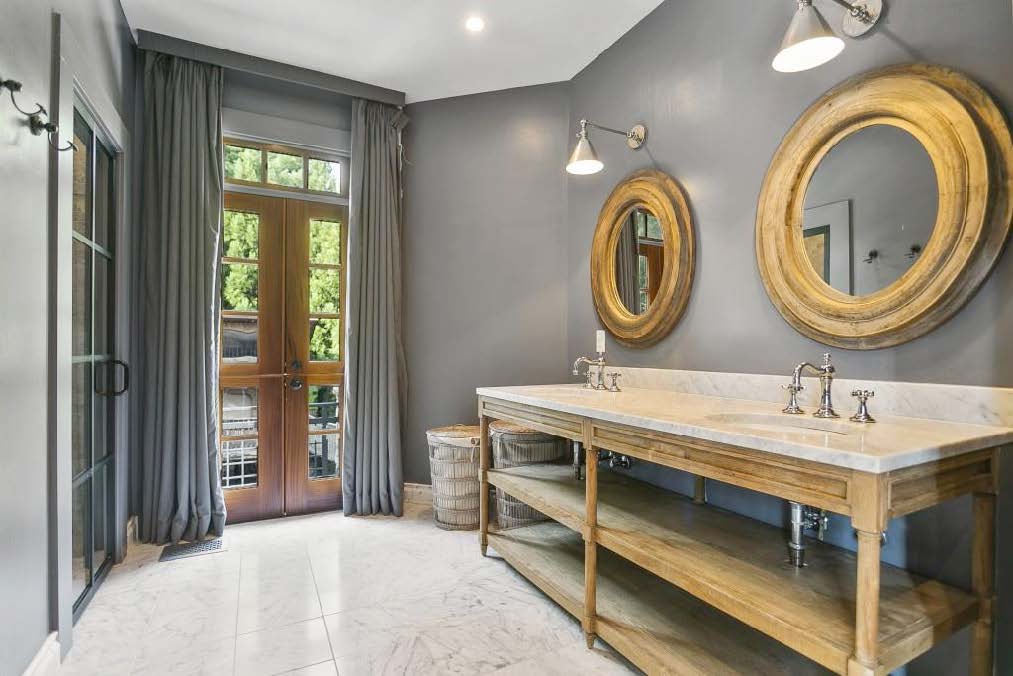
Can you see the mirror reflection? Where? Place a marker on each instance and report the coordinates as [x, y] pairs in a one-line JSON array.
[[870, 209], [639, 260]]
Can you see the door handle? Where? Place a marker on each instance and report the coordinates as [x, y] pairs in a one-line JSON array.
[[126, 377]]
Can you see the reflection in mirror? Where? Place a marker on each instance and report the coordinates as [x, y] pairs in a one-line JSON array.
[[640, 260], [870, 209]]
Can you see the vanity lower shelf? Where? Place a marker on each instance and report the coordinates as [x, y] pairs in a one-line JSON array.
[[737, 565], [658, 627]]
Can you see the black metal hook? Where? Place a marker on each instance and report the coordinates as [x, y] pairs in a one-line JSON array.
[[38, 126], [873, 255], [915, 251], [14, 86]]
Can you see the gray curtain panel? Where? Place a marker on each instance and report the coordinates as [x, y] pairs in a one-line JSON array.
[[180, 496], [375, 375], [626, 265]]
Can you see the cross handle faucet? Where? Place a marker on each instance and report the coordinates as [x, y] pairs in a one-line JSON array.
[[599, 364], [825, 372]]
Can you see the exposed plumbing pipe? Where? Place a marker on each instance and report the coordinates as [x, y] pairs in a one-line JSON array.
[[796, 542], [804, 518], [615, 460]]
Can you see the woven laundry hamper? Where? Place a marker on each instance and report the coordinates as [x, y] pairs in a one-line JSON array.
[[453, 468], [512, 446]]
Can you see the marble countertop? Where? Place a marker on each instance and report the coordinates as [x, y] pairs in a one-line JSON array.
[[891, 443]]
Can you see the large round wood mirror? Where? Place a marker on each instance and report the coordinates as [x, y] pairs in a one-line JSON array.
[[885, 207], [642, 258]]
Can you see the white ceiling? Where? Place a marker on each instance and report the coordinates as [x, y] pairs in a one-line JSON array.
[[419, 47]]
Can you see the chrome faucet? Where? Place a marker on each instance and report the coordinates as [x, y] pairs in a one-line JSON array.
[[599, 363], [826, 376]]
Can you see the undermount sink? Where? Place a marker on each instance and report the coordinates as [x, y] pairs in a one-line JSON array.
[[782, 423]]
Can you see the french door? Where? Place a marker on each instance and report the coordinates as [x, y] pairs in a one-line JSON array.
[[281, 356], [97, 377]]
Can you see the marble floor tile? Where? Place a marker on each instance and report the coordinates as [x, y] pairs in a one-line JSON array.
[[276, 602], [275, 651], [328, 668], [325, 594], [185, 656]]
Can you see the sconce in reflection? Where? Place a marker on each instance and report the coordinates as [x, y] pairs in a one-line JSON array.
[[915, 251], [872, 255]]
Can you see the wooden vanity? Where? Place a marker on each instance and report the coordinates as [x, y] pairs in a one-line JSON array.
[[679, 586]]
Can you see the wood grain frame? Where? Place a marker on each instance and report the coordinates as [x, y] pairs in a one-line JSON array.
[[658, 193], [968, 140]]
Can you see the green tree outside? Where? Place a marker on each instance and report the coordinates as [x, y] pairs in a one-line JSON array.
[[239, 280]]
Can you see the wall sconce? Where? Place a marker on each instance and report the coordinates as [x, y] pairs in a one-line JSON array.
[[584, 160], [809, 42]]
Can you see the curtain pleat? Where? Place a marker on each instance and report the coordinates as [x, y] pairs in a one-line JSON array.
[[375, 373], [180, 495], [626, 265]]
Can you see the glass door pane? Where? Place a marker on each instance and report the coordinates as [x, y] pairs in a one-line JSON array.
[[80, 564], [93, 379], [324, 435], [101, 515]]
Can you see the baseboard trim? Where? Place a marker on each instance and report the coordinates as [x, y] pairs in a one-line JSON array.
[[420, 494], [47, 661]]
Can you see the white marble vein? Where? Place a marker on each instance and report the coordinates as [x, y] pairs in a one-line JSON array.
[[893, 442]]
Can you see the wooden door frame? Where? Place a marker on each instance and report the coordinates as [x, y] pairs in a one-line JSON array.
[[266, 498], [303, 494], [283, 484]]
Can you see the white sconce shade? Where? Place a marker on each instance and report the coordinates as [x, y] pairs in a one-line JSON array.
[[584, 160], [808, 42]]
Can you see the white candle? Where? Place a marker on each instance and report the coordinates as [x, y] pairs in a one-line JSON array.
[[600, 341]]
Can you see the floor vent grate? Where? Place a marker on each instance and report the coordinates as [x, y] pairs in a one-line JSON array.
[[185, 549]]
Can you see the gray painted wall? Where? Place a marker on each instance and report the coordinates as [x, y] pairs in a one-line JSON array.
[[25, 54], [485, 254], [697, 72]]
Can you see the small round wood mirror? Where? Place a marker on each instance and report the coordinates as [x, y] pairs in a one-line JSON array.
[[885, 207], [642, 258]]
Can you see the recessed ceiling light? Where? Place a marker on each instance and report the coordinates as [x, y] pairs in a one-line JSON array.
[[475, 24]]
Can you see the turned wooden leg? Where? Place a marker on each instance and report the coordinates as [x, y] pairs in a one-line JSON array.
[[700, 491], [590, 547], [866, 657], [983, 583], [483, 496]]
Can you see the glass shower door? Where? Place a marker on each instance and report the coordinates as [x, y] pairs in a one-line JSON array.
[[97, 377]]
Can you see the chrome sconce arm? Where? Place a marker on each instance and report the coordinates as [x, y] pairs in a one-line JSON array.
[[635, 137], [584, 159], [860, 12]]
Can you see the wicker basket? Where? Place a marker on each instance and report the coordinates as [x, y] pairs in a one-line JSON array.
[[514, 446], [453, 468]]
